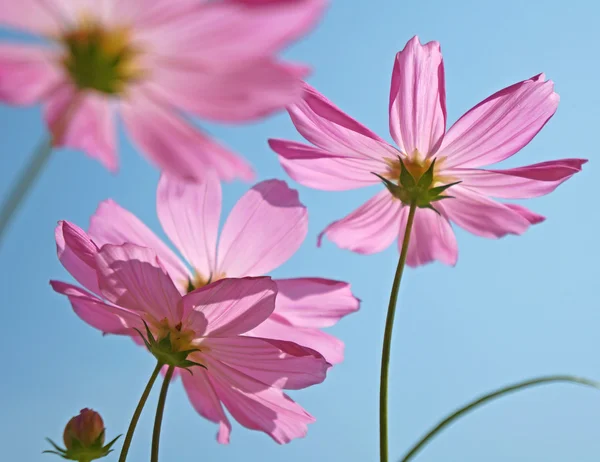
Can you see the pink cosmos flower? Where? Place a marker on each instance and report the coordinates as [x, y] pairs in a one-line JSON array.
[[149, 62], [126, 285], [346, 153], [264, 229]]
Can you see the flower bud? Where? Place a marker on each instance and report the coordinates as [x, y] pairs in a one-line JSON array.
[[84, 438], [87, 428]]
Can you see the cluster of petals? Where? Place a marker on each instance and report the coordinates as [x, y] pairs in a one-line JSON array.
[[255, 335], [151, 64], [346, 154]]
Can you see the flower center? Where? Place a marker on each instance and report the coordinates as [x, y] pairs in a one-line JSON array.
[[181, 339], [201, 281], [417, 166], [100, 59]]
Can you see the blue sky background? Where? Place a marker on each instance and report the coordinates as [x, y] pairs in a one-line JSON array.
[[511, 309]]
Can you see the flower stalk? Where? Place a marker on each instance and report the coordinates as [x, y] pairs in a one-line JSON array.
[[138, 411], [160, 409], [484, 399], [387, 339]]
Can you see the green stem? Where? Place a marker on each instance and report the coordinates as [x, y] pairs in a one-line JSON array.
[[160, 409], [138, 412], [387, 340], [23, 184], [491, 396]]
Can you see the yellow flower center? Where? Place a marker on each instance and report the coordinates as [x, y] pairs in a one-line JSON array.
[[101, 59], [181, 338], [417, 166]]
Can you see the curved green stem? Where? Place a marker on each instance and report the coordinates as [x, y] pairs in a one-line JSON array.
[[138, 412], [160, 409], [23, 184], [387, 339], [491, 396]]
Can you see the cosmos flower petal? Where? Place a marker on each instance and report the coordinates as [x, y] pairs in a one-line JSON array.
[[41, 17], [112, 224], [314, 302], [272, 211], [319, 169], [369, 229], [77, 253], [521, 182], [531, 217], [500, 125], [27, 73], [278, 363], [323, 124], [230, 33], [83, 121], [230, 95], [176, 146], [203, 397], [132, 277], [189, 213], [107, 318], [230, 306], [483, 216], [418, 98], [432, 238], [258, 406], [279, 328]]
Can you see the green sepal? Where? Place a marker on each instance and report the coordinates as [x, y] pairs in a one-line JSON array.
[[59, 451], [110, 444], [439, 198], [427, 177], [390, 185], [406, 179], [79, 452], [163, 351], [408, 191], [431, 207], [440, 189]]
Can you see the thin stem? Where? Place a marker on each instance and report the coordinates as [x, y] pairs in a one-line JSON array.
[[160, 409], [23, 184], [491, 396], [32, 171], [138, 412], [387, 339]]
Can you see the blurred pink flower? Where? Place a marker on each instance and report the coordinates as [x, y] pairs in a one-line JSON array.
[[264, 229], [149, 62], [347, 153], [245, 373]]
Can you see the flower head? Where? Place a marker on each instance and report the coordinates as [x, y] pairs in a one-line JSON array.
[[346, 154], [264, 229], [128, 291], [150, 62], [84, 438]]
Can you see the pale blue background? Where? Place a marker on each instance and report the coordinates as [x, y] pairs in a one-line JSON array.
[[511, 309]]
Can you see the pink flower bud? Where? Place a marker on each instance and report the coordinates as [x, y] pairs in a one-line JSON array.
[[86, 428]]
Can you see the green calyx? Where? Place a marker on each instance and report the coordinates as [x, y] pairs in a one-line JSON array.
[[164, 351], [81, 453], [417, 191]]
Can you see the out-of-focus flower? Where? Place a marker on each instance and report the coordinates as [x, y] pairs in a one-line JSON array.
[[149, 62]]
